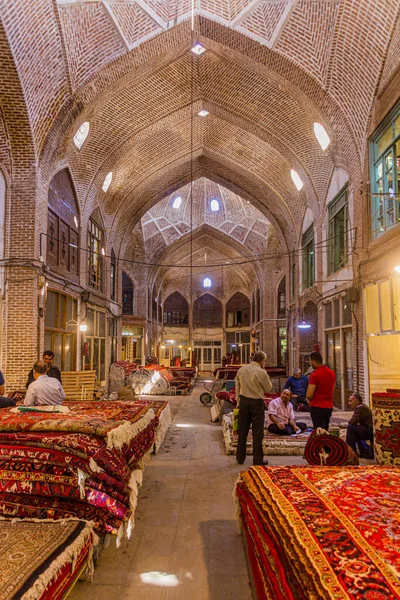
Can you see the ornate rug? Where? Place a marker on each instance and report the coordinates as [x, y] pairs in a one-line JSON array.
[[41, 560], [386, 414], [323, 448], [322, 532]]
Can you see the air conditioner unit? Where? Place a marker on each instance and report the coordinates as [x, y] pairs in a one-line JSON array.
[[352, 295]]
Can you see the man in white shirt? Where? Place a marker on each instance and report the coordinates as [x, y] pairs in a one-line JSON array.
[[44, 390], [251, 383], [280, 418]]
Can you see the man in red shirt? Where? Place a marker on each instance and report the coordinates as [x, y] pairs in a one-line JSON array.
[[321, 384]]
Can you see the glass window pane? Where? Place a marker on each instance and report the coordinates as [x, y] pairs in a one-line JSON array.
[[48, 341], [51, 309], [346, 314], [337, 360], [96, 365], [336, 313], [385, 139], [328, 315], [102, 360], [372, 309], [68, 353], [90, 322], [57, 349], [397, 126], [330, 358], [385, 306], [102, 324], [348, 336]]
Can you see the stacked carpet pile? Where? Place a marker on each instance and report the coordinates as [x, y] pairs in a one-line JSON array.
[[41, 560], [322, 532], [322, 448], [85, 463], [279, 445], [386, 415]]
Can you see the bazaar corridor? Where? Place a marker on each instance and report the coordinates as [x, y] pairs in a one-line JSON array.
[[185, 542]]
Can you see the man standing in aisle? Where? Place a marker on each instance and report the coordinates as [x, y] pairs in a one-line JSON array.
[[44, 390], [321, 385], [52, 370], [251, 383]]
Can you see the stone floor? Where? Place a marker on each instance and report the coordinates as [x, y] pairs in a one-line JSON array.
[[185, 544]]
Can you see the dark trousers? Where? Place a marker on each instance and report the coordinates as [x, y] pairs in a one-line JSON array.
[[288, 430], [320, 417], [251, 412], [6, 402], [356, 434], [295, 401]]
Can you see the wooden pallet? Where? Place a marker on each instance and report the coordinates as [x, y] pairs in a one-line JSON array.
[[79, 385]]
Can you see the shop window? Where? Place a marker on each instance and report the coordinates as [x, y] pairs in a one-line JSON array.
[[176, 310], [62, 226], [385, 174], [238, 311], [282, 298], [60, 329], [95, 245], [207, 312], [307, 245], [95, 338], [127, 295], [338, 232], [113, 275]]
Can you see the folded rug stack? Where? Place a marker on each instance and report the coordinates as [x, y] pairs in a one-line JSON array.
[[86, 463], [322, 532], [41, 560]]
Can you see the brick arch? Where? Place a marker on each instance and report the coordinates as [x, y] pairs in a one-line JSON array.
[[227, 173]]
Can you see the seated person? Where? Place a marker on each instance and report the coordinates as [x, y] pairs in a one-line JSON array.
[[281, 416], [297, 384], [4, 402], [360, 427], [52, 371], [44, 390]]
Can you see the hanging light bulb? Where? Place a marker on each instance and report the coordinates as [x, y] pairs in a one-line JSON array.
[[303, 325]]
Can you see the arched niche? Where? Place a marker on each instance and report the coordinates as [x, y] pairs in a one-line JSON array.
[[127, 295], [63, 226], [176, 310], [238, 311], [207, 312], [281, 300]]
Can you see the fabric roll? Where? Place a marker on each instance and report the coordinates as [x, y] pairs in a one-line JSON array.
[[322, 448]]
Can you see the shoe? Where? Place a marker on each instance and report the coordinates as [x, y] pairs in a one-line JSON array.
[[240, 462], [264, 463]]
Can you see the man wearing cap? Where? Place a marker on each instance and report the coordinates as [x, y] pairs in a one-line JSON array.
[[297, 384]]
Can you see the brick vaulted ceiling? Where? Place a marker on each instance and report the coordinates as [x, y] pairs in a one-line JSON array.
[[271, 69]]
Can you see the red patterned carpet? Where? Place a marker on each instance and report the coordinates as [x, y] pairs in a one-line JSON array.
[[322, 532]]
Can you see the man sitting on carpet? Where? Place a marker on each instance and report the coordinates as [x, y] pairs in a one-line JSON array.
[[44, 389], [360, 427], [281, 416], [297, 384]]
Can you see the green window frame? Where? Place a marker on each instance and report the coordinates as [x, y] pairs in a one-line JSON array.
[[385, 174], [338, 220], [308, 256], [95, 241]]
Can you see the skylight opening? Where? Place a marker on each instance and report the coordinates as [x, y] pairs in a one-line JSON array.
[[177, 202], [321, 135], [203, 113], [81, 135], [198, 49], [207, 282], [214, 205], [107, 181], [296, 179]]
